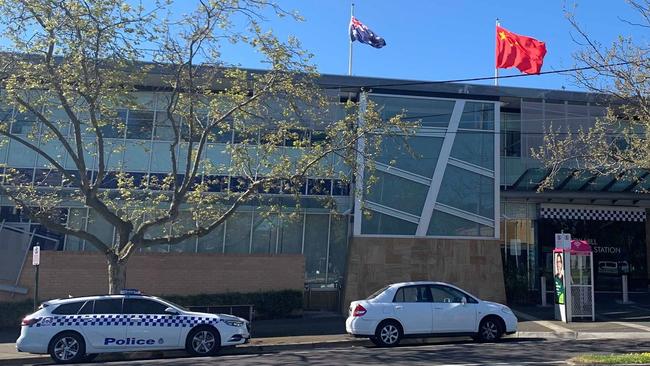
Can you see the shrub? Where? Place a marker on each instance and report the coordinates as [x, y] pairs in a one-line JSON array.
[[267, 305], [11, 313]]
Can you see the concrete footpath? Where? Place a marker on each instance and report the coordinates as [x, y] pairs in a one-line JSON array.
[[291, 337]]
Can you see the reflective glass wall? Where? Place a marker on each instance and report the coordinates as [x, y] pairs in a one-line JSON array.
[[440, 182]]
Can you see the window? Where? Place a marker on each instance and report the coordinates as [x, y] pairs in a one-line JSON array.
[[114, 124], [511, 134], [413, 294], [143, 306], [449, 295], [108, 306], [140, 125], [87, 308], [69, 308]]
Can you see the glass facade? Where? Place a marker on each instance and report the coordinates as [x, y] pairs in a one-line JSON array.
[[440, 182], [142, 149]]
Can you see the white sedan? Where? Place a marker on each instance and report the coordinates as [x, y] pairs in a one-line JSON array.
[[77, 329], [425, 309]]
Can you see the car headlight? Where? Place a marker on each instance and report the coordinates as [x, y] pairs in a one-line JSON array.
[[506, 310], [234, 323]]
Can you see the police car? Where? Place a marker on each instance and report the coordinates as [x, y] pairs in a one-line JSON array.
[[77, 329]]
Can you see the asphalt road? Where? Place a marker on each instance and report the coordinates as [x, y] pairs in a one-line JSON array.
[[508, 352]]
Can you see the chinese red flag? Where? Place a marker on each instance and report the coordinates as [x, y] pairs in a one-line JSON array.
[[524, 53]]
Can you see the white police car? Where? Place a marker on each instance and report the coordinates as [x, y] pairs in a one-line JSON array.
[[77, 329]]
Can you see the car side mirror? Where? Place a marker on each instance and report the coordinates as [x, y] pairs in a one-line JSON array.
[[171, 311], [463, 300]]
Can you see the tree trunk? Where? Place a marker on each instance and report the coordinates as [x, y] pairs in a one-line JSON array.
[[116, 274]]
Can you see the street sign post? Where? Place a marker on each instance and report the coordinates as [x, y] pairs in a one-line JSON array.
[[36, 262]]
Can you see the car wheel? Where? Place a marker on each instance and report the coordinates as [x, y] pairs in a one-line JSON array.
[[388, 334], [67, 348], [203, 341], [489, 330]]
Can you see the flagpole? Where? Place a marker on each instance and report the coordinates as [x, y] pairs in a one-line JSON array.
[[350, 50], [496, 69]]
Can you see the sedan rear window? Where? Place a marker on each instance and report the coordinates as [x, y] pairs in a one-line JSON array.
[[377, 293], [70, 308]]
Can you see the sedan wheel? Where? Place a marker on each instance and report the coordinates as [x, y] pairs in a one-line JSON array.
[[388, 334], [489, 330], [203, 342], [67, 348]]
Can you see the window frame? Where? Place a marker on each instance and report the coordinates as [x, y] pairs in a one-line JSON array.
[[417, 295]]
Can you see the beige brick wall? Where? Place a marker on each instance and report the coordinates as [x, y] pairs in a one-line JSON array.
[[474, 265], [84, 273]]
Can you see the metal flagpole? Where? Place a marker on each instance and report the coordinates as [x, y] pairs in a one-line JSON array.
[[496, 69], [350, 51]]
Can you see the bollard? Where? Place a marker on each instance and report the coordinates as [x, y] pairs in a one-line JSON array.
[[543, 290], [625, 294]]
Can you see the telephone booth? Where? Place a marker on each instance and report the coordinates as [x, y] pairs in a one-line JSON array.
[[573, 272]]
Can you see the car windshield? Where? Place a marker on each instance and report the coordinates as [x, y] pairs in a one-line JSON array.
[[377, 293]]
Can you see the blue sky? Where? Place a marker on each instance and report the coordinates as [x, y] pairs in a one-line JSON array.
[[445, 39]]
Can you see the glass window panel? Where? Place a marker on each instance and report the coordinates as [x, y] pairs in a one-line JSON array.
[[70, 308], [163, 129], [430, 112], [76, 220], [114, 124], [161, 157], [291, 234], [316, 227], [113, 153], [100, 228], [157, 232], [139, 125], [338, 247], [467, 191], [89, 154], [414, 154], [510, 134], [398, 193], [379, 223], [217, 159], [213, 242], [137, 154], [238, 232], [20, 155], [182, 225], [24, 123], [55, 150], [58, 116], [478, 116], [265, 233], [443, 224], [4, 147], [143, 306], [474, 147]]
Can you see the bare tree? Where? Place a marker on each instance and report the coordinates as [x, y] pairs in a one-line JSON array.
[[73, 66], [616, 144]]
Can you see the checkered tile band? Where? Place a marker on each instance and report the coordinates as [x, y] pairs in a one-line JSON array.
[[599, 214], [124, 319]]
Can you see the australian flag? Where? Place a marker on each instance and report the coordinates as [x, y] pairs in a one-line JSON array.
[[360, 32]]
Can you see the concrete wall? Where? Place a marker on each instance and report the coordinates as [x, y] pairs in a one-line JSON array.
[[85, 273], [474, 265]]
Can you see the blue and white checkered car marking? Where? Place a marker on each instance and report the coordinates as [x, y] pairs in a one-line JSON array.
[[127, 319]]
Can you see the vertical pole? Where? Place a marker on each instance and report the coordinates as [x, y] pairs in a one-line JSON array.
[[36, 288], [542, 289], [626, 297], [496, 70], [350, 49]]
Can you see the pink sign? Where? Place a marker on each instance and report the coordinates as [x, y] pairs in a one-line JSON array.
[[580, 246]]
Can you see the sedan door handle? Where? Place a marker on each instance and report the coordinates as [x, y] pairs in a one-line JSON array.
[[398, 307], [438, 308]]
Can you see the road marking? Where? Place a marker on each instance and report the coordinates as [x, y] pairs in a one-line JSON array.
[[544, 323], [633, 325]]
